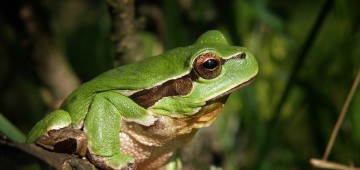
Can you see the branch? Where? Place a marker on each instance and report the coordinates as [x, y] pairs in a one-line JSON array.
[[129, 47], [19, 155], [341, 116], [330, 165]]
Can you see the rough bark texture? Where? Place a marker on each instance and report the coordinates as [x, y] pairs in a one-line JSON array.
[[17, 156], [129, 47]]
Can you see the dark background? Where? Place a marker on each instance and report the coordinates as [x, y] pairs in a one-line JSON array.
[[308, 52]]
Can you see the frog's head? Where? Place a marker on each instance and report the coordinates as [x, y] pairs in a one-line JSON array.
[[212, 70]]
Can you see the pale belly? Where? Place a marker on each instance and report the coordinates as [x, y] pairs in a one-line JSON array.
[[153, 146]]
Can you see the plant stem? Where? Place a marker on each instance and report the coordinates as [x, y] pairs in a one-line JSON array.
[[341, 117]]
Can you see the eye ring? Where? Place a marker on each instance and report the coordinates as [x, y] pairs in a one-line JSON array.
[[208, 65]]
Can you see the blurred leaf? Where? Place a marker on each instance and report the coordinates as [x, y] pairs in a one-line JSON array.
[[10, 130]]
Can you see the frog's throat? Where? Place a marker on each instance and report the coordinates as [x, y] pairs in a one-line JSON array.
[[167, 129], [147, 143], [205, 117]]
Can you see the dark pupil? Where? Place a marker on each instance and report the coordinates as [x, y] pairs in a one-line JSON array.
[[210, 64]]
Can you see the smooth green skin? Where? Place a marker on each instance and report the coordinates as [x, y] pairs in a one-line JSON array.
[[102, 103]]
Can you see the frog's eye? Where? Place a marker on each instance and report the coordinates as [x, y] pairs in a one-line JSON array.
[[208, 65]]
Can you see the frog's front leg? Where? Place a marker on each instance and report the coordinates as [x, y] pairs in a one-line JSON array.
[[55, 133], [64, 140], [102, 125]]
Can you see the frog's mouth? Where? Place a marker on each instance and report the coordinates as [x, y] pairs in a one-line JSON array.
[[223, 97]]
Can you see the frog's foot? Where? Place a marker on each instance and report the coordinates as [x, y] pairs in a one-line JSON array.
[[118, 161], [64, 140]]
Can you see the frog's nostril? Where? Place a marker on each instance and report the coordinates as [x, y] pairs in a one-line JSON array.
[[241, 55]]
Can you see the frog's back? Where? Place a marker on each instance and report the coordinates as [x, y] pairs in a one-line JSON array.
[[127, 79], [146, 73]]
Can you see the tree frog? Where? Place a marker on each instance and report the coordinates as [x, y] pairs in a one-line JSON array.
[[135, 116]]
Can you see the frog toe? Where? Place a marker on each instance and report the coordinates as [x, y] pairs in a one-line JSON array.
[[117, 161]]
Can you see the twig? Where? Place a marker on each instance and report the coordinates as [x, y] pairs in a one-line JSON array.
[[25, 154], [341, 117], [330, 165], [129, 47]]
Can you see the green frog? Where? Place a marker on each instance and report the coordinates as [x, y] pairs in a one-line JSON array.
[[135, 116]]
